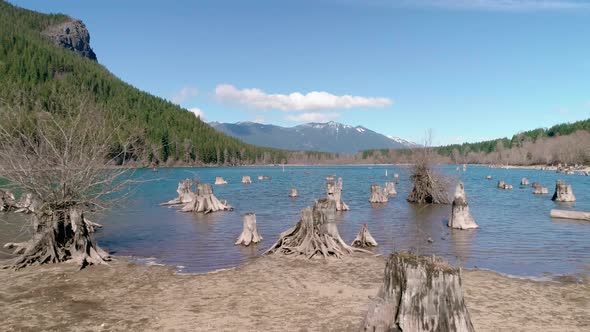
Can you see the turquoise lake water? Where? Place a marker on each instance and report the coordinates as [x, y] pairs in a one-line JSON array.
[[516, 234]]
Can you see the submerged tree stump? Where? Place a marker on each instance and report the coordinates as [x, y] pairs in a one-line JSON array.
[[219, 181], [205, 201], [504, 186], [185, 193], [419, 294], [390, 189], [525, 182], [334, 193], [316, 234], [250, 232], [489, 177], [563, 192], [460, 216], [246, 179], [293, 192], [378, 195], [539, 190], [364, 239], [396, 177]]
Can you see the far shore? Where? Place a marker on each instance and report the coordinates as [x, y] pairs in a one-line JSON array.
[[267, 294]]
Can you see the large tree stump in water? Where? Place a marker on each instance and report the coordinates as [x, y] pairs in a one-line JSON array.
[[390, 189], [205, 201], [378, 195], [316, 234], [334, 193], [419, 294], [219, 181], [293, 192], [460, 216], [364, 239], [185, 193], [539, 190], [246, 179], [563, 192], [249, 233]]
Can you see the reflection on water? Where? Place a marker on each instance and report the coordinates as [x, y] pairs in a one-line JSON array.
[[516, 235]]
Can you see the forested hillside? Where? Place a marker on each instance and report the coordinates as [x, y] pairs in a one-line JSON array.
[[35, 75]]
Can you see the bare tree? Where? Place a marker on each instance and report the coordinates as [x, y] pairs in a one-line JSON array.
[[64, 160]]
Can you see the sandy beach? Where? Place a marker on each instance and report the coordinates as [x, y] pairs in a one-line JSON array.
[[267, 294]]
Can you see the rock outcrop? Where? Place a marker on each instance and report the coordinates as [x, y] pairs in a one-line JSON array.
[[71, 35]]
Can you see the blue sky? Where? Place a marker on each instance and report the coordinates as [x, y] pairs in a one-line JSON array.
[[470, 70]]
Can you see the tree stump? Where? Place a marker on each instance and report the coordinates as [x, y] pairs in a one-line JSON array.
[[501, 184], [249, 233], [563, 192], [460, 216], [219, 181], [396, 177], [185, 193], [489, 177], [205, 201], [334, 192], [364, 239], [260, 177], [316, 234], [390, 189], [378, 195], [419, 294], [539, 190], [246, 179], [428, 186], [293, 192], [7, 200], [525, 182]]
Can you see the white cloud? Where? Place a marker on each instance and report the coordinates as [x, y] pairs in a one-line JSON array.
[[198, 112], [498, 5], [313, 117], [185, 94], [315, 100]]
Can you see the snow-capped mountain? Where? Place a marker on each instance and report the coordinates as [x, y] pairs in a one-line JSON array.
[[329, 137]]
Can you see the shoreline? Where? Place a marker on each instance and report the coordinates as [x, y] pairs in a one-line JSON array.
[[270, 293]]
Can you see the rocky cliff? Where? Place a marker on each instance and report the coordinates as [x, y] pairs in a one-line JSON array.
[[71, 35]]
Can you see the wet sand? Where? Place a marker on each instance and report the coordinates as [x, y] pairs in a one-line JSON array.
[[267, 294]]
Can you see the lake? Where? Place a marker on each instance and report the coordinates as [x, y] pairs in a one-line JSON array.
[[516, 234]]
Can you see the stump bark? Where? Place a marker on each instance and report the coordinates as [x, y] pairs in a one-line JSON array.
[[419, 294], [250, 232], [378, 195], [219, 181], [364, 239], [460, 216], [563, 192], [334, 193], [293, 192], [185, 193], [316, 234], [205, 201], [539, 190], [390, 189], [246, 179]]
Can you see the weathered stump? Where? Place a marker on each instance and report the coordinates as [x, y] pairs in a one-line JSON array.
[[316, 234], [250, 232], [260, 177], [185, 193], [205, 201], [501, 184], [219, 181], [396, 177], [419, 294], [563, 192], [246, 179], [460, 216], [489, 177], [7, 200], [378, 195], [334, 193], [565, 214], [525, 182], [390, 189], [539, 190], [364, 239], [293, 192]]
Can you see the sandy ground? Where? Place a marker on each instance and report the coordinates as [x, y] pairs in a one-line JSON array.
[[268, 294]]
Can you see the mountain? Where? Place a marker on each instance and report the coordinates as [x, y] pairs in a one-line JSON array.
[[329, 137], [47, 65]]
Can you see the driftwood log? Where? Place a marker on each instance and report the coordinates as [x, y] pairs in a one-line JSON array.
[[293, 192], [563, 192], [390, 189], [246, 179], [539, 190], [460, 216], [419, 294], [364, 239], [525, 182], [378, 195], [185, 193], [250, 232], [566, 214], [316, 234], [205, 201], [219, 181], [334, 193]]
